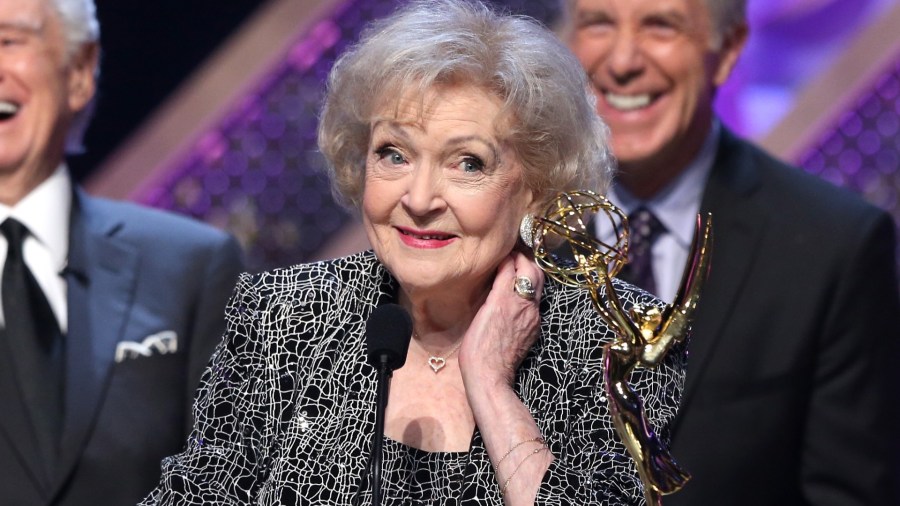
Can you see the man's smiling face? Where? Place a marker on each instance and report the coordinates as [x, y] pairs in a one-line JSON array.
[[41, 87], [654, 70]]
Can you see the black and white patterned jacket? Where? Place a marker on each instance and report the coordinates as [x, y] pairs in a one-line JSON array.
[[285, 412]]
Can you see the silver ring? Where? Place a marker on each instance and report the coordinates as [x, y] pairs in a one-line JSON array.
[[524, 288]]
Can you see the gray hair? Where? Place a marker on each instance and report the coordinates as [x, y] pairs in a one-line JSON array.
[[79, 20], [80, 27], [726, 15], [554, 129]]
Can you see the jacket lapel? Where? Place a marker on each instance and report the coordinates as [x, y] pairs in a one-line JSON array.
[[101, 275], [738, 224]]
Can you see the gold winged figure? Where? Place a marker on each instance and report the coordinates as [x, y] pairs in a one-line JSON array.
[[643, 335]]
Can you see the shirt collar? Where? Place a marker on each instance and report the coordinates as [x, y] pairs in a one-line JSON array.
[[676, 206], [45, 211]]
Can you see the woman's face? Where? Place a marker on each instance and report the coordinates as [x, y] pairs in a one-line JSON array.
[[443, 195]]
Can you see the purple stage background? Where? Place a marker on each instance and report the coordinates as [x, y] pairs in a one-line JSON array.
[[259, 175]]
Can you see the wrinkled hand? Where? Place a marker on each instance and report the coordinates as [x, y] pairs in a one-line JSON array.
[[505, 326]]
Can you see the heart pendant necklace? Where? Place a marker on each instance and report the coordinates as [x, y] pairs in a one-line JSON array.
[[435, 362]]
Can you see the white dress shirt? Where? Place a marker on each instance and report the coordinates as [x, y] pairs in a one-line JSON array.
[[676, 207], [45, 211]]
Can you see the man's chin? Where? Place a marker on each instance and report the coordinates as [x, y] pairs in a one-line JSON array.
[[635, 158], [9, 164]]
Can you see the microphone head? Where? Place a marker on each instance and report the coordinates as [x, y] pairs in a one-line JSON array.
[[388, 331]]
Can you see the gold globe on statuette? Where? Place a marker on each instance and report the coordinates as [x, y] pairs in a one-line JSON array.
[[565, 249]]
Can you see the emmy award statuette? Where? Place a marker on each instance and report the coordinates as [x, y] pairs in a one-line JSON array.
[[566, 250]]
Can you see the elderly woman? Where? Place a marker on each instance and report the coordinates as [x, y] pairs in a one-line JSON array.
[[445, 126]]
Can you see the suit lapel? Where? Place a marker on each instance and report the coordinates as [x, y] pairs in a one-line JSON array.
[[101, 276], [738, 224]]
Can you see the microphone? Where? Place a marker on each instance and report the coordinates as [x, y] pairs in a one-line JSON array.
[[388, 331]]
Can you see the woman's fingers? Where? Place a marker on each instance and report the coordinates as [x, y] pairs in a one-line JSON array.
[[526, 268], [507, 324]]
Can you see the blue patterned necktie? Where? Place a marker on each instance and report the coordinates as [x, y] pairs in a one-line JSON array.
[[645, 229], [34, 342]]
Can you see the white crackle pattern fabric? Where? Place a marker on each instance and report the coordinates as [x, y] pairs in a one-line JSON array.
[[285, 413]]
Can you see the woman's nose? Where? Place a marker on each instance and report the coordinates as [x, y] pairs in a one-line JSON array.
[[424, 191]]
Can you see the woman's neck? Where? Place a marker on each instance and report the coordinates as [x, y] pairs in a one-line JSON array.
[[441, 317]]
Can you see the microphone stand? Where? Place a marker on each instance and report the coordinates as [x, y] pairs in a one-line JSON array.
[[388, 331], [384, 382]]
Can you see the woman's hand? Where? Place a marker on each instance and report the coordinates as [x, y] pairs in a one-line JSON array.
[[505, 327], [498, 339]]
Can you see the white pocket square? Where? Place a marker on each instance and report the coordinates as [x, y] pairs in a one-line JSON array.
[[160, 343]]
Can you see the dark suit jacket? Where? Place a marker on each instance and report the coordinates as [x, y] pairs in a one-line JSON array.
[[787, 401], [132, 272]]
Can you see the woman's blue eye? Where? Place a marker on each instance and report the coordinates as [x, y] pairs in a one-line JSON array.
[[471, 164], [392, 155]]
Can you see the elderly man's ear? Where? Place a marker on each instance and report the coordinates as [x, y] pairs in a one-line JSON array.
[[82, 76]]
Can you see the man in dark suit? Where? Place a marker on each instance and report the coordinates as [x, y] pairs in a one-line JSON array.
[[788, 398], [109, 311]]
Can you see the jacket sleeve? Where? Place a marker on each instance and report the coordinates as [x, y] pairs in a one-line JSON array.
[[849, 447], [227, 454], [222, 264]]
